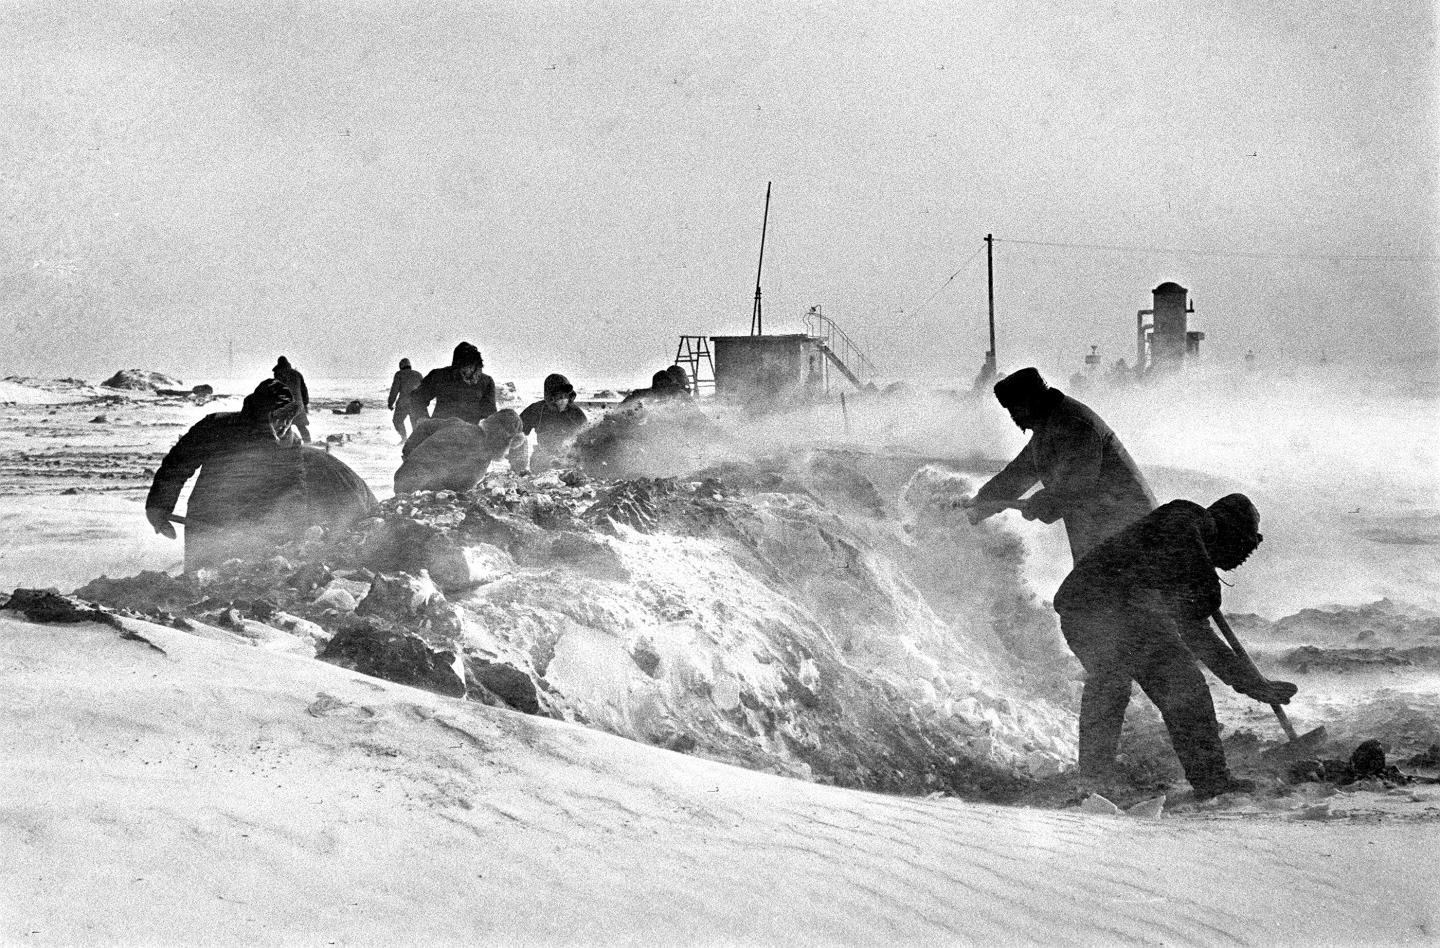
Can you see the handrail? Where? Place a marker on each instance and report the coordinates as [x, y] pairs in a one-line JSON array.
[[839, 343]]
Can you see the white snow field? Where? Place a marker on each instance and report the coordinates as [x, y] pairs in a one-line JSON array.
[[168, 789]]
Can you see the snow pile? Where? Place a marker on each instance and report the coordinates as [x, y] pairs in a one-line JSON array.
[[773, 617], [140, 380], [19, 390], [1381, 623]]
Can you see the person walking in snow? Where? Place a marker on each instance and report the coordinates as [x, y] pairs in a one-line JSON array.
[[1137, 608], [290, 377], [555, 419], [406, 380], [257, 485], [1087, 477], [460, 390]]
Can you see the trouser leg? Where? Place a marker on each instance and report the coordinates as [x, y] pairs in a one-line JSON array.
[[1102, 714], [398, 419], [1097, 639], [1174, 682]]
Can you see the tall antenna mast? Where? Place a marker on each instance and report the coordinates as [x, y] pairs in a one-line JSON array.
[[757, 321]]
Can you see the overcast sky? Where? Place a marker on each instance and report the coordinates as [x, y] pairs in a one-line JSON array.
[[571, 186]]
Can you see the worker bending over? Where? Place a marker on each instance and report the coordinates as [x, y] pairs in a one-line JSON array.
[[1137, 608]]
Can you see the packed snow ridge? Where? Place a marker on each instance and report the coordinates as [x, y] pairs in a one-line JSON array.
[[775, 615]]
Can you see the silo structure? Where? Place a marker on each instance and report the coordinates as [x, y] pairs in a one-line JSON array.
[[1168, 338]]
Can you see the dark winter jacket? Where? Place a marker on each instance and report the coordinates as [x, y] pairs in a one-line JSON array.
[[291, 378], [1165, 552], [452, 395], [552, 427], [663, 388], [253, 484], [1089, 478], [405, 382], [1156, 571]]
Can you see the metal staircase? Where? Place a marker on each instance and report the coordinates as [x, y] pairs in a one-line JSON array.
[[840, 350]]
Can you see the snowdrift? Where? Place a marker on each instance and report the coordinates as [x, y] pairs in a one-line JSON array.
[[164, 789], [779, 615], [141, 380]]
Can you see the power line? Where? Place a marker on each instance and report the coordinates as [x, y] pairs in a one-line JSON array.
[[951, 278], [1404, 258]]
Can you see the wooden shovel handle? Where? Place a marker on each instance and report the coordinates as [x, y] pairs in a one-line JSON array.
[[1244, 656]]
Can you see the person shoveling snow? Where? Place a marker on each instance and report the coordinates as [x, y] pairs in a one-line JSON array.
[[1136, 608], [257, 483]]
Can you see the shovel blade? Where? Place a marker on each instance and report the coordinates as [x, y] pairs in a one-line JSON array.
[[1303, 746]]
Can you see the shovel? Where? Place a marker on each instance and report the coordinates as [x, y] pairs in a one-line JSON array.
[[1297, 745], [976, 509]]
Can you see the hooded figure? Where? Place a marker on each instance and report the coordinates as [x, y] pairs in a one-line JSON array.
[[679, 378], [460, 390], [663, 387], [1088, 478], [1137, 608], [406, 381], [257, 486], [290, 377], [450, 454], [555, 419]]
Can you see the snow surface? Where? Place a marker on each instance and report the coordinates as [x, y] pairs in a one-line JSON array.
[[218, 793], [181, 791]]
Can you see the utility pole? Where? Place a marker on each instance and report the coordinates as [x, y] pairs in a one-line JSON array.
[[988, 370], [230, 357], [757, 322], [990, 288]]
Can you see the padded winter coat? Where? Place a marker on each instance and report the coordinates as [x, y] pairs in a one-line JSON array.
[[452, 395], [252, 491], [1089, 479]]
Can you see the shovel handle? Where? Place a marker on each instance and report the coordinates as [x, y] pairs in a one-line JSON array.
[[1244, 656]]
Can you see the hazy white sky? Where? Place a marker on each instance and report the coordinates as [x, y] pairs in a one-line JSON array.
[[571, 186]]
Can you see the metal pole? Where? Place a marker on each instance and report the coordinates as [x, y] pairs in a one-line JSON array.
[[990, 286], [757, 322]]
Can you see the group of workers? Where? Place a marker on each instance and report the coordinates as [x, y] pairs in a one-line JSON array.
[[257, 486], [1135, 608], [1137, 605]]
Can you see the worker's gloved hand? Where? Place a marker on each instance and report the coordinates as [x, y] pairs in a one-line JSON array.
[[160, 520], [1266, 691], [975, 513]]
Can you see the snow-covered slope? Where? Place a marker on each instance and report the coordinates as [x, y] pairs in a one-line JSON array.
[[182, 791]]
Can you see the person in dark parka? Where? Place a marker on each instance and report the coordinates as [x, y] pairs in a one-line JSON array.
[[290, 377], [257, 485], [451, 454], [1088, 478], [1137, 608], [555, 419], [406, 381], [460, 390], [664, 387]]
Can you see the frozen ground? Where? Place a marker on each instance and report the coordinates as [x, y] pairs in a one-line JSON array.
[[180, 791], [1347, 488]]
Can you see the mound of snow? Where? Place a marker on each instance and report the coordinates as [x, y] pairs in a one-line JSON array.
[[140, 380], [17, 390], [787, 626]]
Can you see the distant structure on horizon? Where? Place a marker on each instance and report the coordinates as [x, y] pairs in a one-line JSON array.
[[1163, 339], [772, 369]]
